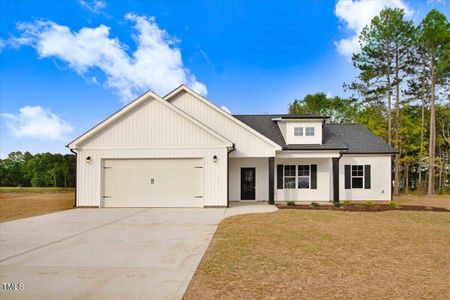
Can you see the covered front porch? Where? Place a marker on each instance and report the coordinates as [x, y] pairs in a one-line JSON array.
[[300, 176], [303, 176]]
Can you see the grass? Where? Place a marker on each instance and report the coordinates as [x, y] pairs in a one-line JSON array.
[[425, 200], [7, 189], [18, 203], [310, 254]]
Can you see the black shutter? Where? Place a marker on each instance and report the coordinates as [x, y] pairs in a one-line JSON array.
[[280, 177], [313, 177], [367, 176], [347, 176]]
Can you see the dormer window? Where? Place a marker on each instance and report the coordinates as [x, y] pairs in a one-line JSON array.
[[298, 131], [309, 131]]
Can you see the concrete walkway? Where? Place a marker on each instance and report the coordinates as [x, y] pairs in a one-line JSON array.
[[115, 253]]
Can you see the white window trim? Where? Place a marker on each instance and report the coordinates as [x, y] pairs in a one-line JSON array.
[[358, 176], [310, 128], [301, 129], [289, 176], [296, 177], [309, 178]]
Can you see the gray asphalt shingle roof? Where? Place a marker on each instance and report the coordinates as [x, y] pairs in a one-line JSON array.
[[351, 138]]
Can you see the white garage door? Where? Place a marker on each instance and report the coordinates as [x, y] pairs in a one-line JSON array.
[[153, 183]]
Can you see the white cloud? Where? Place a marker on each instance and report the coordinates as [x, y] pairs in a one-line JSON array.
[[95, 6], [355, 14], [156, 63], [36, 122], [226, 109]]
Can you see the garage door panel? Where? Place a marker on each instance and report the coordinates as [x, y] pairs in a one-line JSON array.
[[153, 183]]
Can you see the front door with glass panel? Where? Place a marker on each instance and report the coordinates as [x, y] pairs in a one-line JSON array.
[[248, 183]]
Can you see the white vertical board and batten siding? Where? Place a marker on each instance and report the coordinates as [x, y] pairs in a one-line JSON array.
[[152, 130], [148, 125], [247, 144]]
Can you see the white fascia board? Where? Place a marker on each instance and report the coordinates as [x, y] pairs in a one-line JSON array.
[[184, 88], [308, 154]]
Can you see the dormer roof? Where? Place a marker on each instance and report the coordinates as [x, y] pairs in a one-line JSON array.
[[349, 138]]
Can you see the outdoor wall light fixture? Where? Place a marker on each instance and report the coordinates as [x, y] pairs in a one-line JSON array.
[[215, 158], [88, 160]]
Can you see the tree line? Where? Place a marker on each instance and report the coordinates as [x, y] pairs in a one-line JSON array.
[[402, 94], [39, 170]]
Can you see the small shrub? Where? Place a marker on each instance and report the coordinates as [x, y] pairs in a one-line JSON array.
[[360, 205], [337, 204], [290, 203], [369, 203], [394, 204], [315, 204], [347, 203]]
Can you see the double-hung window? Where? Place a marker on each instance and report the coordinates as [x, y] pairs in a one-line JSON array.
[[357, 176], [289, 176], [298, 131], [303, 176], [309, 131]]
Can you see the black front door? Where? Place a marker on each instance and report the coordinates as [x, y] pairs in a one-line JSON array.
[[248, 183]]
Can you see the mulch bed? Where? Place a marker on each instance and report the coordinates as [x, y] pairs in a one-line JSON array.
[[363, 207]]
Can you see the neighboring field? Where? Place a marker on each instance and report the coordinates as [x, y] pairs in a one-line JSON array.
[[18, 203], [435, 200], [298, 254]]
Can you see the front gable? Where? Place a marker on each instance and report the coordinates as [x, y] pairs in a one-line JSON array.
[[248, 142], [150, 122]]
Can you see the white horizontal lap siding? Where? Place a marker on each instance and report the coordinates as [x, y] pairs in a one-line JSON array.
[[380, 169], [90, 176], [247, 143], [261, 181], [324, 183]]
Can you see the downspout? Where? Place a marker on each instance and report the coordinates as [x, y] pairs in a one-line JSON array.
[[76, 171], [392, 178], [228, 173]]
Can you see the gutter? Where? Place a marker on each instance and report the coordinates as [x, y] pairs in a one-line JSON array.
[[76, 171], [228, 173]]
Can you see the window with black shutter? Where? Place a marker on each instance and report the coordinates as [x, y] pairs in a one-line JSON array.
[[314, 177], [347, 169], [357, 177], [280, 177], [367, 184]]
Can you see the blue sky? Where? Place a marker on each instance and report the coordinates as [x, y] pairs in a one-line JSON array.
[[66, 65]]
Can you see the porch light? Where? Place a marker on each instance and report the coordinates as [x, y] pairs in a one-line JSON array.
[[215, 158], [88, 160]]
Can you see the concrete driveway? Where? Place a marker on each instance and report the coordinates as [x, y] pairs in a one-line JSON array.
[[116, 253]]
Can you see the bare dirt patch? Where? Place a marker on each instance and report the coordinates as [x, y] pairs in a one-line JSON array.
[[20, 205], [310, 254]]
